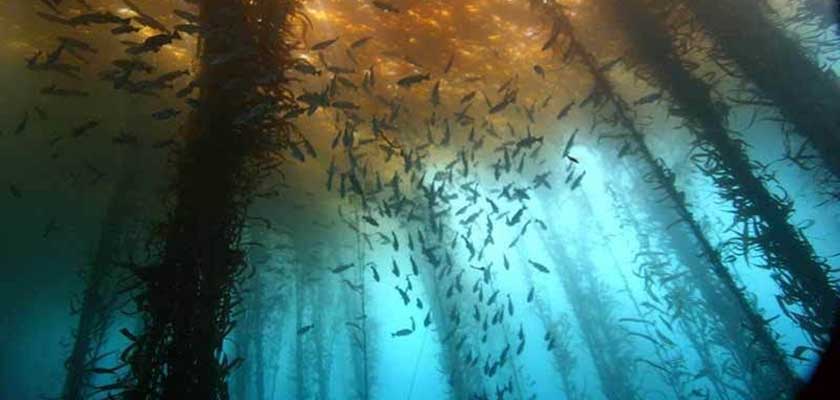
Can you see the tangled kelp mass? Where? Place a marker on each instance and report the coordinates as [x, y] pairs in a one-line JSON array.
[[418, 199]]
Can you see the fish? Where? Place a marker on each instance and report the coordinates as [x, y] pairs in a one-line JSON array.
[[799, 350], [493, 206], [663, 338], [406, 331], [506, 85], [610, 65], [395, 269], [539, 267], [403, 295], [32, 62], [449, 64], [468, 97], [435, 96], [385, 6], [52, 6], [97, 18], [346, 82], [14, 190], [42, 114], [530, 111], [360, 42], [315, 100], [306, 68], [375, 273], [21, 126], [171, 76], [552, 37], [54, 18], [189, 29], [345, 105], [167, 113], [529, 140], [546, 101], [469, 247], [542, 180], [370, 220], [133, 65], [153, 44], [187, 90], [414, 269], [128, 335], [414, 79], [83, 128], [354, 287], [516, 217], [578, 180], [521, 233], [635, 320], [125, 138], [186, 16], [370, 76], [624, 150], [492, 298], [569, 144], [651, 98], [54, 55], [565, 111], [304, 329], [539, 70], [73, 43], [500, 106], [145, 19], [124, 29], [97, 173], [341, 268], [53, 90]]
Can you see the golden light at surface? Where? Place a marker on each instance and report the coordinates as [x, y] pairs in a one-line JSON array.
[[491, 40]]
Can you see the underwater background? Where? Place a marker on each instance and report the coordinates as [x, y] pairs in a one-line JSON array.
[[417, 199]]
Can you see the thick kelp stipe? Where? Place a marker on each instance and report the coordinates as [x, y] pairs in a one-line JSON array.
[[418, 199]]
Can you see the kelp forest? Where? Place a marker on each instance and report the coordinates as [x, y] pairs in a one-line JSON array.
[[418, 199]]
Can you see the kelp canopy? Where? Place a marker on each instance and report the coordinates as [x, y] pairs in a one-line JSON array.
[[480, 199]]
